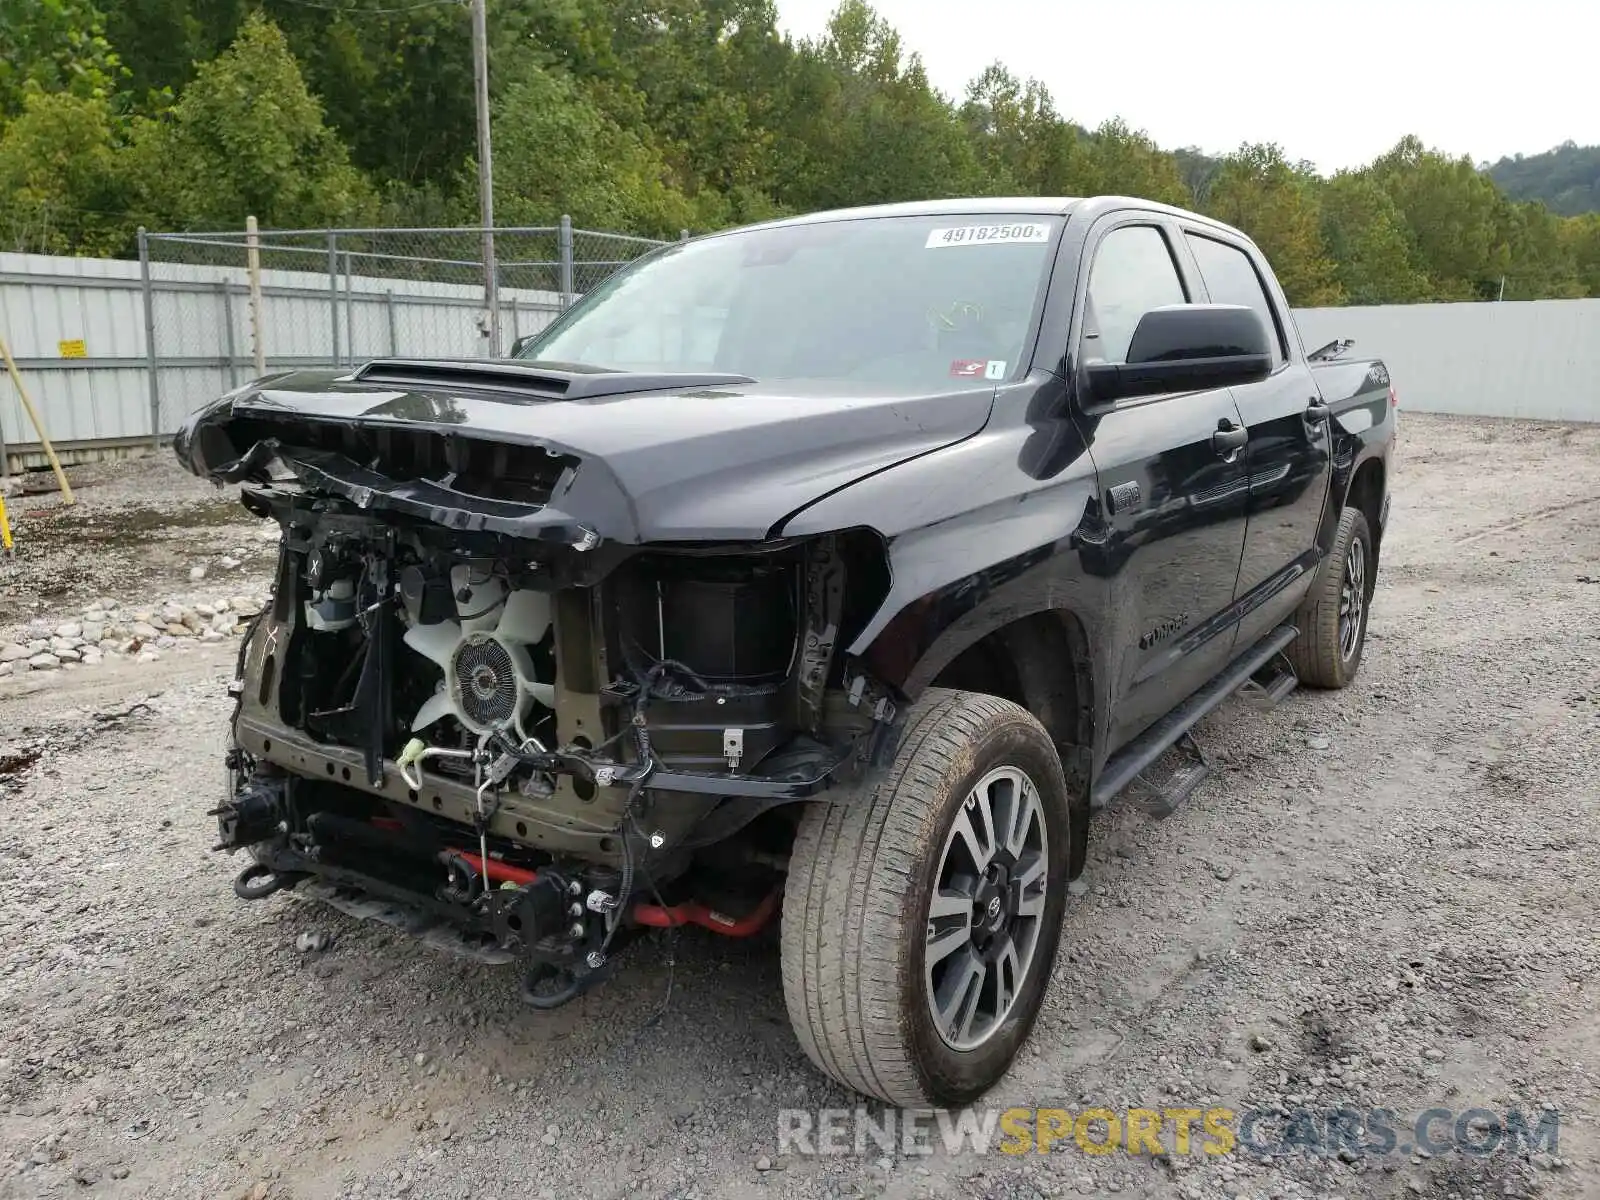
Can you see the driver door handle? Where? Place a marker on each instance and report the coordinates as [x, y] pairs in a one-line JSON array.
[[1317, 410]]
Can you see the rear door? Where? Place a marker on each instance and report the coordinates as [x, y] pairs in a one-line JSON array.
[[1287, 456], [1172, 493]]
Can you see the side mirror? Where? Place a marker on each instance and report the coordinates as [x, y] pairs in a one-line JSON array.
[[1186, 348], [521, 344]]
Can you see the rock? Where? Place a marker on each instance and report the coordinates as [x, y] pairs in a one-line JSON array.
[[196, 574], [229, 563], [90, 656], [212, 635], [148, 656], [1223, 871], [1433, 1054], [67, 656], [119, 1172], [60, 645], [86, 1176], [270, 532], [38, 645], [93, 631], [1078, 887], [205, 610], [177, 629], [420, 1059], [225, 622], [763, 1163], [69, 629], [221, 606], [1317, 742], [144, 614], [191, 618], [6, 669], [245, 606], [143, 629], [44, 662], [106, 604], [13, 653], [1260, 1043], [313, 941]]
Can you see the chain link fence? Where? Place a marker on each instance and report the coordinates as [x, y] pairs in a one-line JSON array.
[[223, 308]]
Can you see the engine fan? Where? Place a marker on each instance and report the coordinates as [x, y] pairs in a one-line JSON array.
[[485, 654]]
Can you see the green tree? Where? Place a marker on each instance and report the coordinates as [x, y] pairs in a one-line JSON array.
[[1369, 243], [557, 152], [1257, 190], [1125, 162], [54, 46], [61, 190], [247, 137], [1453, 214]]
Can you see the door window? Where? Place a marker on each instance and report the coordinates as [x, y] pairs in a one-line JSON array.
[[1231, 279], [1133, 272]]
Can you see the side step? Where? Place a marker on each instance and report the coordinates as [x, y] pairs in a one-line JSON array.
[[1121, 769], [1167, 785], [1268, 687]]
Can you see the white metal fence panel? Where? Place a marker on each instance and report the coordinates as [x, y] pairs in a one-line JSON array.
[[1535, 359]]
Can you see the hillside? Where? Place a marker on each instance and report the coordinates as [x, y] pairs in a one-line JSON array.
[[1566, 179]]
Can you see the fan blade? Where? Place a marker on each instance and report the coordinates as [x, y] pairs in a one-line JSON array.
[[438, 705], [525, 617], [544, 693], [435, 642]]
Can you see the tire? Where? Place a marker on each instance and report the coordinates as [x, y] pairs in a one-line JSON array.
[[857, 979], [1327, 654]]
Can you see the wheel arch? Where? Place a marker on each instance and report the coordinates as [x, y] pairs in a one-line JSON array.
[[1041, 662]]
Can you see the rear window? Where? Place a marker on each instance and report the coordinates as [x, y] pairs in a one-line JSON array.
[[1231, 279]]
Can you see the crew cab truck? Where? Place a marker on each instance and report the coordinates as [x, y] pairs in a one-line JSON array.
[[835, 569]]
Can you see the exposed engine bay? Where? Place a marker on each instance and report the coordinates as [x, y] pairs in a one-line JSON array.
[[542, 744]]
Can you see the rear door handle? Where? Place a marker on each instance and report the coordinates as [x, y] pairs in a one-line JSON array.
[[1228, 440], [1317, 411]]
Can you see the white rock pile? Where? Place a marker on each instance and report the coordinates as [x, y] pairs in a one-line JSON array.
[[107, 628]]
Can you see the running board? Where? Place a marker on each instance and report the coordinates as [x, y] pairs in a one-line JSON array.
[[1126, 764]]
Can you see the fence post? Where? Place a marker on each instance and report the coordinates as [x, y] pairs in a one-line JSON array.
[[150, 337], [333, 292], [258, 345], [388, 310], [349, 315], [225, 291], [683, 235], [564, 246]]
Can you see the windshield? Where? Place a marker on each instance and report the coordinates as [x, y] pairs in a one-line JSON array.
[[911, 302]]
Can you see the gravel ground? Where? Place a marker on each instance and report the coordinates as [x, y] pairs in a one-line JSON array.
[[1385, 898]]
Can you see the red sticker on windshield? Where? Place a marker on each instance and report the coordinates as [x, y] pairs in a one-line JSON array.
[[978, 368]]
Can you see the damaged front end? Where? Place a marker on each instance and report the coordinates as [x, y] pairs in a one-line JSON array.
[[476, 704]]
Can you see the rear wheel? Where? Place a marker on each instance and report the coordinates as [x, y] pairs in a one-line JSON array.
[[921, 919], [1333, 617]]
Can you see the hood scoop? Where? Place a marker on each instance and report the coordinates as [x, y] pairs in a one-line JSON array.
[[510, 378]]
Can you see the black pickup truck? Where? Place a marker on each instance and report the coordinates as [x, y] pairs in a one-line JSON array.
[[836, 568]]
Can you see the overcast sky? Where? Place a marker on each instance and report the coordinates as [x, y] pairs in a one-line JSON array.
[[1337, 82]]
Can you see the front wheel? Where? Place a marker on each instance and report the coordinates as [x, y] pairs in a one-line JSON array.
[[921, 919]]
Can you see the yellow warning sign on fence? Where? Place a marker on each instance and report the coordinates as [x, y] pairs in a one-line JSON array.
[[73, 348]]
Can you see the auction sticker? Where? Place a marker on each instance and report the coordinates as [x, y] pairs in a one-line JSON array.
[[988, 235], [978, 368]]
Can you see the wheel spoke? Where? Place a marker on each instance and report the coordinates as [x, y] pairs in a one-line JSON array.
[[1008, 977], [975, 829], [1029, 881], [1024, 804], [959, 995], [949, 926]]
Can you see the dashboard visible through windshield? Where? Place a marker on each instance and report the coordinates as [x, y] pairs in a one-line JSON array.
[[886, 302]]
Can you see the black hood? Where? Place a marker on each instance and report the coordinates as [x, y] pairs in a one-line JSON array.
[[630, 458]]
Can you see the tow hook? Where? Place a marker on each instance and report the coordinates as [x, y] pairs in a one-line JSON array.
[[258, 881]]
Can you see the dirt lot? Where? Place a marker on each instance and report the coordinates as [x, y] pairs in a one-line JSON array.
[[1385, 899]]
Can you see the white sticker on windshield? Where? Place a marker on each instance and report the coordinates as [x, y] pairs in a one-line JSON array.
[[988, 235]]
